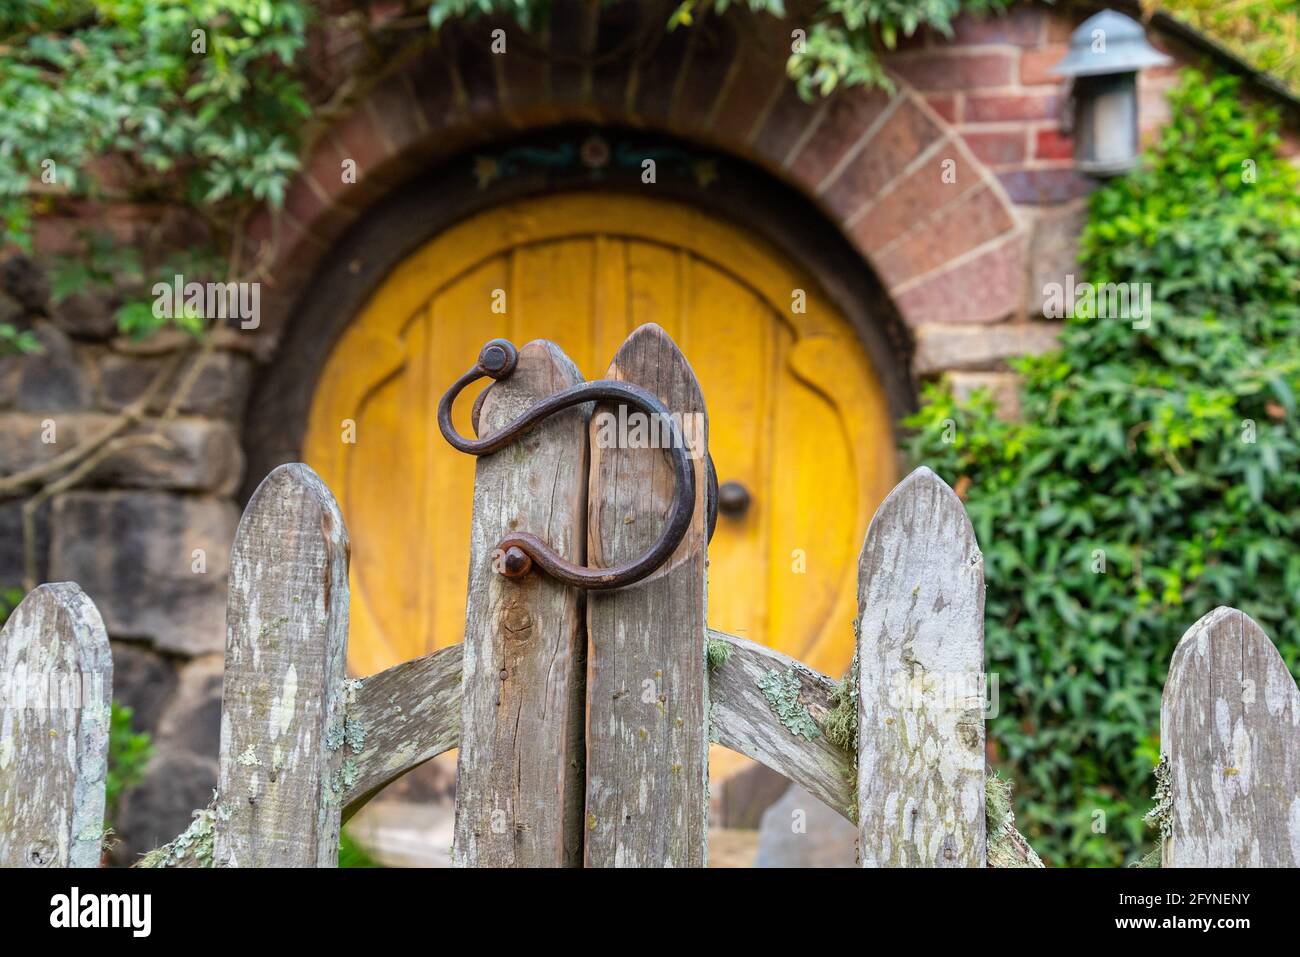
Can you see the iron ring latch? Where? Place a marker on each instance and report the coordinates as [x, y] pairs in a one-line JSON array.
[[521, 550]]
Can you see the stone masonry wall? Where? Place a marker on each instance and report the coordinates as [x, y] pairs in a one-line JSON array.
[[147, 534]]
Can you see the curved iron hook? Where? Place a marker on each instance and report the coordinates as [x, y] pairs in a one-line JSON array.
[[521, 550]]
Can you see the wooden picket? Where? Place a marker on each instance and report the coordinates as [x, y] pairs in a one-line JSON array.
[[519, 774], [56, 688], [286, 745], [1230, 736], [920, 657], [597, 755], [648, 694]]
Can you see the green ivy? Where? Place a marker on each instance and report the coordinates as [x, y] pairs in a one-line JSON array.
[[129, 753], [194, 104], [15, 341], [1155, 474], [197, 88]]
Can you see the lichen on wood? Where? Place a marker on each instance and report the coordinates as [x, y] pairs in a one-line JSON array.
[[193, 847], [841, 723], [1161, 815], [1006, 846], [781, 689]]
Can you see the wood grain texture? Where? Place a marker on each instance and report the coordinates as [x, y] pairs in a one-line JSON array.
[[1230, 732], [56, 687], [742, 719], [519, 770], [287, 752], [409, 714], [920, 635], [647, 687]]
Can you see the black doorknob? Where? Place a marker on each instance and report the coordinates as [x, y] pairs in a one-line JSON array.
[[733, 499]]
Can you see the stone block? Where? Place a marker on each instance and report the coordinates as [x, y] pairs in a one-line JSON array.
[[198, 454], [11, 543], [154, 563], [1054, 252], [11, 310], [941, 347], [1045, 187], [53, 380], [985, 288], [1003, 386], [746, 795], [219, 391], [22, 279], [191, 721], [86, 315], [801, 831], [143, 681]]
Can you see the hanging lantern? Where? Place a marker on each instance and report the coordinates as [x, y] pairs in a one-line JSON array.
[[1106, 53]]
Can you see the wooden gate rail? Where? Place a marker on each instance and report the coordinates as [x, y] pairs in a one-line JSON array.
[[415, 709]]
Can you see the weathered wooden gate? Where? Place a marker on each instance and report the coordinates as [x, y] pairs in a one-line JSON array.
[[583, 717]]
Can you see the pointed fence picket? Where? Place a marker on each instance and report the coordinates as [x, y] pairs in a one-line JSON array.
[[286, 745], [920, 656], [648, 699], [56, 688], [1230, 740], [897, 747], [519, 773]]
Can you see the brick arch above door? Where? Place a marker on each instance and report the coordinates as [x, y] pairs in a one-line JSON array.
[[892, 174]]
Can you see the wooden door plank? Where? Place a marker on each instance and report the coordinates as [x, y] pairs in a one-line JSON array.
[[647, 700], [56, 687], [552, 295], [1230, 734], [461, 320], [519, 771], [920, 634]]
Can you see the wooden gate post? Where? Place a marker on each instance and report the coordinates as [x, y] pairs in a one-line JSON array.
[[285, 741], [56, 690], [519, 770], [647, 696], [1230, 738], [920, 654]]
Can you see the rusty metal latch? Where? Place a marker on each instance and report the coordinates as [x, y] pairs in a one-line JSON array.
[[520, 551]]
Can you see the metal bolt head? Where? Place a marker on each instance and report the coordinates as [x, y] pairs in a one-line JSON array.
[[515, 563], [497, 359]]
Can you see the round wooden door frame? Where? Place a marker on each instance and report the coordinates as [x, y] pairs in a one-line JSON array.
[[277, 415]]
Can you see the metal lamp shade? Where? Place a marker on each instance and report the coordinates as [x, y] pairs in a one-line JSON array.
[[1106, 52], [1109, 42]]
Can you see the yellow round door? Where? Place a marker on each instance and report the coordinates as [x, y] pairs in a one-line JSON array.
[[796, 414]]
